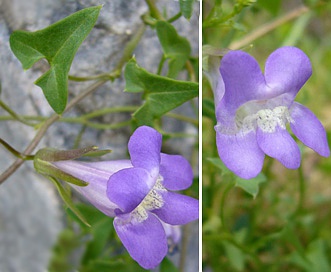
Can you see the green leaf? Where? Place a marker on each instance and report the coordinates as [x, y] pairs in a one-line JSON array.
[[67, 200], [162, 94], [175, 48], [58, 44], [251, 186], [186, 8]]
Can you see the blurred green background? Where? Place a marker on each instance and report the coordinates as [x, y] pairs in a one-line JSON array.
[[287, 225]]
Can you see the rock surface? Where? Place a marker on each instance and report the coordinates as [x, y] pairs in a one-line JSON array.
[[31, 215]]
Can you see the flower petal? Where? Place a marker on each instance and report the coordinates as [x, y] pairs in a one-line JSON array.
[[145, 147], [243, 80], [145, 241], [219, 89], [177, 209], [95, 191], [110, 166], [309, 129], [281, 146], [240, 153], [128, 187], [287, 68], [176, 172]]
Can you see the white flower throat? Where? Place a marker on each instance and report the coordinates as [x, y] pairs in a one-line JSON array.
[[261, 114], [152, 201]]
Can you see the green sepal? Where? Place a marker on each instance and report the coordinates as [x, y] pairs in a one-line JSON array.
[[45, 156], [67, 200], [52, 154], [49, 170], [97, 153]]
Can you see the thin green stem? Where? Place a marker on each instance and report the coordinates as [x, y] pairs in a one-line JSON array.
[[79, 119], [79, 137], [26, 117], [14, 115], [186, 119], [159, 68], [105, 111], [154, 10], [191, 72], [108, 126], [15, 152], [96, 77], [175, 17], [129, 48]]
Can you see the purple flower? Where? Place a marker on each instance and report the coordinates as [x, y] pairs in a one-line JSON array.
[[139, 194], [253, 109]]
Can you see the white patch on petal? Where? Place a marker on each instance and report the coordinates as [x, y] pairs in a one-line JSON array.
[[267, 119], [152, 201]]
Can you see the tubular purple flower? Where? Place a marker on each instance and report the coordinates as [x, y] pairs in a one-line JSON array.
[[139, 194], [253, 109]]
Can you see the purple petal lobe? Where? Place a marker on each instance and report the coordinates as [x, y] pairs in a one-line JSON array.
[[309, 129], [242, 78], [288, 68], [146, 241], [281, 146], [178, 209], [145, 147], [128, 187], [240, 153], [176, 172]]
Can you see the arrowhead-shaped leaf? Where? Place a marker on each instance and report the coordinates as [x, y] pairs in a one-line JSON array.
[[176, 48], [162, 94], [58, 44], [251, 186]]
